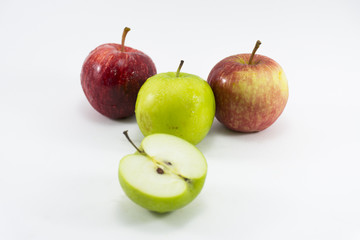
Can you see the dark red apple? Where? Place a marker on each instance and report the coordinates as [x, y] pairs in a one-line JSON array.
[[112, 75], [250, 91]]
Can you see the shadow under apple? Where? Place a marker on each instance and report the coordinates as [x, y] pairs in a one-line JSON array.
[[133, 215], [92, 115], [219, 132]]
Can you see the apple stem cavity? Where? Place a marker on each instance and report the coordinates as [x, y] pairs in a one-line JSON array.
[[257, 45], [179, 68], [126, 30], [128, 138]]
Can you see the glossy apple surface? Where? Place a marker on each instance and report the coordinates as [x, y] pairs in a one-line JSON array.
[[166, 174], [111, 77], [249, 97], [182, 105]]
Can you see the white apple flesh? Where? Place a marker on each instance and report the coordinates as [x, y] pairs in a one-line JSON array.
[[165, 174]]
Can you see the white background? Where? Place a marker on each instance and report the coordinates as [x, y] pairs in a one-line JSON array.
[[299, 179]]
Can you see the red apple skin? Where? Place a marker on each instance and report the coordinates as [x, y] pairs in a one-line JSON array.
[[111, 79], [249, 98]]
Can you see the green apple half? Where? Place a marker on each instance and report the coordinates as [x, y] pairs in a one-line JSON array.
[[165, 174], [176, 103]]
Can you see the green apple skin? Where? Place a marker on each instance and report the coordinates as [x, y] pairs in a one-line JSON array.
[[183, 106], [159, 204]]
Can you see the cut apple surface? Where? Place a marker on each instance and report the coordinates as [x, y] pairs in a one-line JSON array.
[[182, 156], [142, 174], [166, 173]]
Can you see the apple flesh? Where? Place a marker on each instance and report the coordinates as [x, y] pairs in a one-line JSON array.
[[176, 103], [166, 173], [111, 77], [249, 97]]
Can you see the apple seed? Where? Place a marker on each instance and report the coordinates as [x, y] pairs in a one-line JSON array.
[[186, 179], [160, 170]]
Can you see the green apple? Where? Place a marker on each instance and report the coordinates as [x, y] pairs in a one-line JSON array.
[[164, 174], [176, 103]]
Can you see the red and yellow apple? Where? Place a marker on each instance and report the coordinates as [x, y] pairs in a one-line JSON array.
[[250, 90], [112, 75]]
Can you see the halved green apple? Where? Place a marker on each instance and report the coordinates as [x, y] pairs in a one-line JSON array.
[[165, 174]]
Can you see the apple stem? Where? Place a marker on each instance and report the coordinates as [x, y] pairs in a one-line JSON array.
[[126, 30], [257, 45], [179, 68], [128, 138]]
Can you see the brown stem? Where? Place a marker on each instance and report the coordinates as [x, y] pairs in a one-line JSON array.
[[257, 45], [128, 138], [179, 68], [126, 30]]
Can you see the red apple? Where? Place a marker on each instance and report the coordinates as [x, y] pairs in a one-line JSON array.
[[250, 90], [112, 75]]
